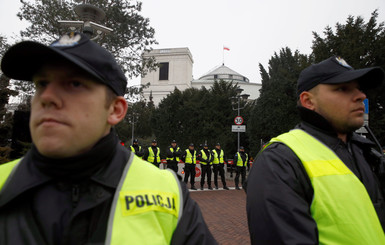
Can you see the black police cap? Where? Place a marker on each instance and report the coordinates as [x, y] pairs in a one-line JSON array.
[[336, 70], [23, 60]]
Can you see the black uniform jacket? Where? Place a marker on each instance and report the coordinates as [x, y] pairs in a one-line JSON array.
[[208, 155], [174, 154], [38, 209], [279, 191]]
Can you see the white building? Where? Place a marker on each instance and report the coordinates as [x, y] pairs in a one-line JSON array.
[[176, 65]]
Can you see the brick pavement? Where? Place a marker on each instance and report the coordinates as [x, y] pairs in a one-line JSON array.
[[225, 213]]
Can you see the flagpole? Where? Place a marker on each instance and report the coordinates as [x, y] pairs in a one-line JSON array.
[[223, 55]]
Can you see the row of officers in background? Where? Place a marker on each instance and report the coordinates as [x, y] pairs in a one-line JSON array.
[[211, 161]]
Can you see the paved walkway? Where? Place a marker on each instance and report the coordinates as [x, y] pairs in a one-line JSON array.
[[225, 213]]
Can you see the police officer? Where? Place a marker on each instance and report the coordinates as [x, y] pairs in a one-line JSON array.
[[173, 155], [241, 161], [189, 158], [205, 157], [315, 184], [219, 160], [77, 184], [136, 148], [152, 154]]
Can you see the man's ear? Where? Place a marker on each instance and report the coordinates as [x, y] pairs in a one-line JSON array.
[[307, 100], [117, 111]]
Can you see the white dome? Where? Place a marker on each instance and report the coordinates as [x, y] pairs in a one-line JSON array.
[[224, 73]]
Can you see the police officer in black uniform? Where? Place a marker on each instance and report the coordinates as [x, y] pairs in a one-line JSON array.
[[205, 157], [241, 161], [219, 160], [189, 158], [173, 155], [152, 154], [286, 183]]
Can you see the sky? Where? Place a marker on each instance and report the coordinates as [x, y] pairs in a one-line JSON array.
[[253, 30]]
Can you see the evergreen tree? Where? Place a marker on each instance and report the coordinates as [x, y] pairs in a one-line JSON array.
[[275, 110], [138, 114], [131, 36], [3, 45], [198, 116]]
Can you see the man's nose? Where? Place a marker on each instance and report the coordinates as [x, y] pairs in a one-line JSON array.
[[360, 95], [50, 96]]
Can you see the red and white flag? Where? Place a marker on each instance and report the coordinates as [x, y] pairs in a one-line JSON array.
[[226, 48]]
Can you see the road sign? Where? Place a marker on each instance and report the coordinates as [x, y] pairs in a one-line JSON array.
[[366, 103], [238, 128], [238, 120]]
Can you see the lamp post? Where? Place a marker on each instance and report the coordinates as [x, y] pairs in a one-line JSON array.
[[236, 105], [134, 119]]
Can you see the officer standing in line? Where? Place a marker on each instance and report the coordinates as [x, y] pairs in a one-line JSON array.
[[77, 184], [136, 148], [205, 157], [152, 155], [315, 184], [173, 155], [189, 159], [219, 160], [241, 160]]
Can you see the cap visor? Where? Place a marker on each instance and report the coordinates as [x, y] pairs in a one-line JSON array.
[[368, 77]]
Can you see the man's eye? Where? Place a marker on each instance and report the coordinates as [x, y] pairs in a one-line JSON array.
[[76, 84], [342, 89], [41, 84]]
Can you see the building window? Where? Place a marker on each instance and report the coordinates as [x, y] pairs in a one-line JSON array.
[[163, 71]]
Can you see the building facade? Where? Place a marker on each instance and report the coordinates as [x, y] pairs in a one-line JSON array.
[[175, 71]]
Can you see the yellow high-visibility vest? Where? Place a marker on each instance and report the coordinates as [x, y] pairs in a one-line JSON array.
[[204, 156], [240, 161], [191, 158], [147, 205], [341, 205], [172, 150], [218, 159], [133, 149], [151, 155]]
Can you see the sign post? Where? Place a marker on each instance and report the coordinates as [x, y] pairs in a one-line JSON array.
[[238, 127]]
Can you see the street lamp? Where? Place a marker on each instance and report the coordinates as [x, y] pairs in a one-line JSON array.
[[89, 15], [236, 105]]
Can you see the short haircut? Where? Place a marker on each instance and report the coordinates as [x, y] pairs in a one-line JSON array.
[[110, 97]]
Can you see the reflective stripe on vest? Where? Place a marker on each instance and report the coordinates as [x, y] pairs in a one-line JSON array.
[[192, 159], [147, 207], [151, 155], [204, 156], [341, 205], [218, 159], [240, 161], [171, 158]]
